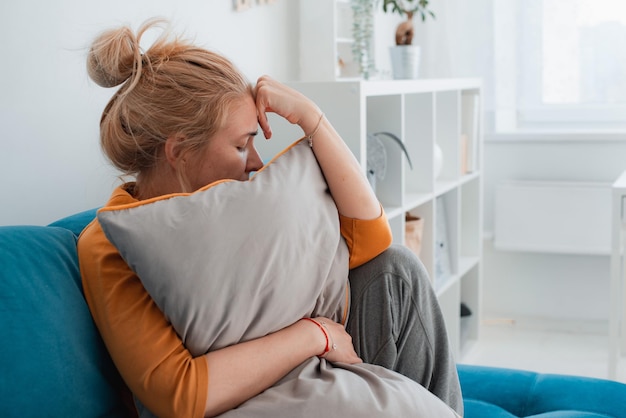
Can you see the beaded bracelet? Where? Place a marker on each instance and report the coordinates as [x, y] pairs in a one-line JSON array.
[[327, 349], [317, 128]]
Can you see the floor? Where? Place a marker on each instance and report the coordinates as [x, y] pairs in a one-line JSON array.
[[576, 349]]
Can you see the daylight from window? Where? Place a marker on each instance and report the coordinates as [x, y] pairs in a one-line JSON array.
[[583, 52]]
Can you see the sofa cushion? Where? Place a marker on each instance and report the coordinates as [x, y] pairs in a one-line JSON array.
[[475, 408], [76, 222], [502, 392], [52, 360]]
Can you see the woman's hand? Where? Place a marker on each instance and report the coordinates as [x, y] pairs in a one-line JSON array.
[[272, 96], [242, 371], [341, 348]]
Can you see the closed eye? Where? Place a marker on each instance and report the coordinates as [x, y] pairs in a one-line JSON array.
[[249, 140]]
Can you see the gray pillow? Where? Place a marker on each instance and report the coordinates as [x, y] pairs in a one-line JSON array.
[[238, 260]]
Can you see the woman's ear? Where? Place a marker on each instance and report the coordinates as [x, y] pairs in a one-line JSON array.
[[174, 149]]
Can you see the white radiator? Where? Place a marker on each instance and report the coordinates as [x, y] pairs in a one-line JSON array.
[[553, 217]]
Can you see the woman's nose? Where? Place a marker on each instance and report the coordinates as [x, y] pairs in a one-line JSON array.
[[254, 160]]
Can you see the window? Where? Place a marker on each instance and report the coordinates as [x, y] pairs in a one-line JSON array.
[[569, 62]]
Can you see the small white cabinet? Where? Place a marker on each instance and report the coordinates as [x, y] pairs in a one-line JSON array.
[[426, 115]]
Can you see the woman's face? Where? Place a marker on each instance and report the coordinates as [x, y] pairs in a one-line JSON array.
[[230, 153]]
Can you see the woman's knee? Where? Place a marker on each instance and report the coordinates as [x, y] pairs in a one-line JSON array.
[[397, 265], [404, 262]]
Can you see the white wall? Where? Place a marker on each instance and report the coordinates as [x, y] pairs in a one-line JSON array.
[[50, 161], [567, 287]]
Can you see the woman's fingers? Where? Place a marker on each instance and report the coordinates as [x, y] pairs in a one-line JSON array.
[[273, 96], [341, 347], [264, 123], [262, 105]]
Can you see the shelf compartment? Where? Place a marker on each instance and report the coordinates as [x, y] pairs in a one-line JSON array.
[[419, 131], [384, 114], [426, 255], [470, 129], [471, 219], [446, 238], [448, 131]]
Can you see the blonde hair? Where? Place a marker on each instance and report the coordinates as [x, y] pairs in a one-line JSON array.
[[173, 88]]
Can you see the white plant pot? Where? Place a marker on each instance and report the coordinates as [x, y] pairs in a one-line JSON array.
[[405, 61]]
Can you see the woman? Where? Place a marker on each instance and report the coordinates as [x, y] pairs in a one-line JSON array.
[[185, 117]]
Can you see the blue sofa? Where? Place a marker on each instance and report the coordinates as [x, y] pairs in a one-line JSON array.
[[53, 362]]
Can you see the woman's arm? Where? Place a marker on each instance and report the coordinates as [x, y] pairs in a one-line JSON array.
[[348, 184], [242, 371]]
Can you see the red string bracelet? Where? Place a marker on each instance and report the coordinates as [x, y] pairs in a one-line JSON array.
[[327, 349]]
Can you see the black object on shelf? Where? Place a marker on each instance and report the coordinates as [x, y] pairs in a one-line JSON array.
[[465, 311]]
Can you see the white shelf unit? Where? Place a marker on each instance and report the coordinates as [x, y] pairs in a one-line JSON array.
[[422, 113], [326, 40]]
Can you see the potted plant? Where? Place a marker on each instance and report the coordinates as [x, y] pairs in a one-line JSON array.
[[405, 57]]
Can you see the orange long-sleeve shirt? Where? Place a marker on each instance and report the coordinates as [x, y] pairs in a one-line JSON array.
[[145, 348]]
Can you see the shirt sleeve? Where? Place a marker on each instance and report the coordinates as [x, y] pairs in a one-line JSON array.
[[146, 350], [365, 238]]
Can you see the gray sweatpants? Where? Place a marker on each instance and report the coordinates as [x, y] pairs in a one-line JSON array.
[[395, 322]]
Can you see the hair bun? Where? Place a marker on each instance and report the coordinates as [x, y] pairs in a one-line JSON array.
[[112, 56]]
